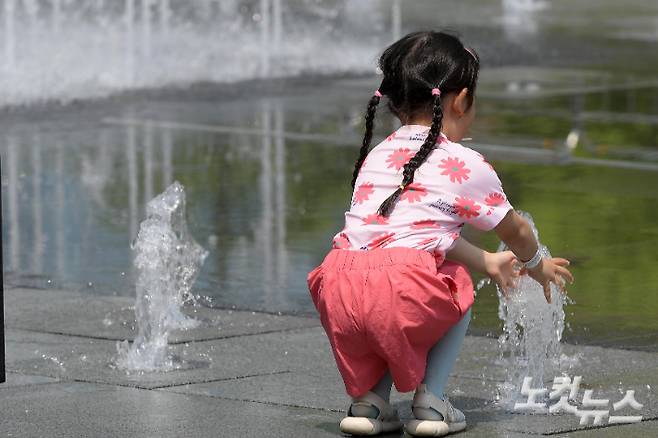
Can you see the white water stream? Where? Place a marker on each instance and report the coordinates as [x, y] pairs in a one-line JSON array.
[[167, 259]]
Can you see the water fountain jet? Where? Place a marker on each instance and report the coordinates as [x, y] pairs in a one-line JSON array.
[[532, 331], [167, 260]]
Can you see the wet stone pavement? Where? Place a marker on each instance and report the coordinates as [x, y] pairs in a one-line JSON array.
[[245, 373]]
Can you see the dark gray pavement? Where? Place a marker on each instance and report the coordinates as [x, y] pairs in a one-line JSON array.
[[250, 374]]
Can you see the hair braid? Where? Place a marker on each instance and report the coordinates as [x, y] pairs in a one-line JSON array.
[[410, 168], [367, 138]]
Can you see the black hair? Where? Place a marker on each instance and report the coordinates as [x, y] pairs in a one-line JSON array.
[[412, 68]]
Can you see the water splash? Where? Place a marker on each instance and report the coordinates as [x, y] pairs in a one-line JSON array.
[[520, 18], [54, 360], [168, 260], [532, 330], [98, 48]]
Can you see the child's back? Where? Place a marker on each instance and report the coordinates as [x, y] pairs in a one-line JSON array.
[[453, 186]]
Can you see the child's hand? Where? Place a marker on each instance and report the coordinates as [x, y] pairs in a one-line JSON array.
[[549, 271], [500, 266]]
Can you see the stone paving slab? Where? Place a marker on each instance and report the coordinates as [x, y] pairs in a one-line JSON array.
[[77, 358], [284, 366], [561, 425], [644, 429], [90, 360], [294, 389], [297, 389], [106, 317], [302, 359], [14, 379], [324, 392], [314, 382], [91, 410]]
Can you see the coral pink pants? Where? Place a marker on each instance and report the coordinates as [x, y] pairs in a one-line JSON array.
[[384, 309]]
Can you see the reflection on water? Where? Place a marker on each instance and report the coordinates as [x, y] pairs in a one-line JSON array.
[[266, 197]]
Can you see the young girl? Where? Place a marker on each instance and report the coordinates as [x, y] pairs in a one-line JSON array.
[[394, 309]]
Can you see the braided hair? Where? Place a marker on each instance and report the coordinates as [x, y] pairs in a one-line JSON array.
[[419, 158], [418, 69], [367, 138]]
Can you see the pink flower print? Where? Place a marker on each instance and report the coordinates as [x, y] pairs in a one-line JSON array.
[[381, 240], [425, 223], [466, 207], [428, 241], [341, 241], [363, 192], [455, 236], [413, 193], [494, 199], [399, 158], [391, 137], [454, 168], [375, 219]]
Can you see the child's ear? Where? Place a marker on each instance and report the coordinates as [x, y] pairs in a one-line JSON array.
[[461, 103]]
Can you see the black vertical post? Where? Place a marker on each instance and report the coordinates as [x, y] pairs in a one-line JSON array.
[[2, 297]]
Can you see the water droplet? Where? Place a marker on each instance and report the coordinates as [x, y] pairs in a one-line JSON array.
[[482, 283]]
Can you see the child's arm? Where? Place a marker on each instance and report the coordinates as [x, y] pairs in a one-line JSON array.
[[515, 231], [499, 266]]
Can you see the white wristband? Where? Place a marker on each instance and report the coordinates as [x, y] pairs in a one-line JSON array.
[[534, 261]]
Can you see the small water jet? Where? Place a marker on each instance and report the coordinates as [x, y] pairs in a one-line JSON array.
[[167, 259], [532, 330]]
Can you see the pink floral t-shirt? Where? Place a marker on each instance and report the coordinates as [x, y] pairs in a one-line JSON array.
[[454, 186]]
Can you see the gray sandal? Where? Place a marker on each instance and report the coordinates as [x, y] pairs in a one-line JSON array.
[[387, 419], [425, 407]]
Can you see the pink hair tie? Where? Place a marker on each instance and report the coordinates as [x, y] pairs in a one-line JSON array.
[[436, 92], [378, 93]]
